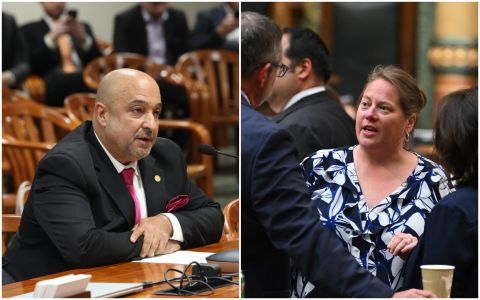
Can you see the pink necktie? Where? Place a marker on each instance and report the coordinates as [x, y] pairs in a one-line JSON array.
[[127, 175]]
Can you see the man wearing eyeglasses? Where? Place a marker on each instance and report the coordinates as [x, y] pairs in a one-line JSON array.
[[301, 100], [279, 222]]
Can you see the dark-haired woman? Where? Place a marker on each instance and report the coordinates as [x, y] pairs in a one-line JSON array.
[[451, 230]]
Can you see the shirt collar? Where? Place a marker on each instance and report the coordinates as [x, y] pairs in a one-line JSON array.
[[50, 22], [118, 165], [246, 97], [148, 19], [305, 93]]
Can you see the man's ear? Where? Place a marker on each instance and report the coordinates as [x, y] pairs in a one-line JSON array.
[[262, 74], [305, 67], [100, 112]]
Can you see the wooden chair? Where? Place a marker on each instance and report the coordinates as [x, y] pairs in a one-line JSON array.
[[80, 108], [231, 214], [99, 67], [35, 87], [218, 70], [10, 224]]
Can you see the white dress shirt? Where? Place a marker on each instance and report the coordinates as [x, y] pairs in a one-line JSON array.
[[157, 43], [140, 192]]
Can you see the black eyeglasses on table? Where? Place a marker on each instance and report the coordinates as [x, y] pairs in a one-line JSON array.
[[282, 69]]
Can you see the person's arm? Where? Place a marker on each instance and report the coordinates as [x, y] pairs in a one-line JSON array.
[[60, 196], [20, 67], [205, 34], [88, 50], [293, 225]]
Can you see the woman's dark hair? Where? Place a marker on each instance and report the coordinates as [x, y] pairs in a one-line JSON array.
[[456, 135]]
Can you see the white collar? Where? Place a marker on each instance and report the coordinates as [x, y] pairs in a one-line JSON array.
[[246, 97], [118, 165], [305, 93]]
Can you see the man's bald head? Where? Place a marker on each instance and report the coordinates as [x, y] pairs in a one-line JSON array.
[[120, 82]]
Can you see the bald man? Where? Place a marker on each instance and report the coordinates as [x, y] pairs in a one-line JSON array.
[[84, 211]]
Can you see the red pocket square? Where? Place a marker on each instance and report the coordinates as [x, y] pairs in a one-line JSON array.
[[177, 202]]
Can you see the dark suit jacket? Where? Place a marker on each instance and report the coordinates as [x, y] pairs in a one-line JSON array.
[[14, 50], [130, 33], [279, 221], [205, 31], [80, 214], [318, 122], [450, 238], [44, 60]]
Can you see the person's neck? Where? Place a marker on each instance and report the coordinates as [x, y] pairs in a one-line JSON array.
[[252, 93], [379, 157]]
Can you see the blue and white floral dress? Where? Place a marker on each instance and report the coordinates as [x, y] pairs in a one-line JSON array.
[[331, 177]]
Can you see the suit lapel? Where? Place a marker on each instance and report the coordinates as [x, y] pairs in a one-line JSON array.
[[111, 181], [153, 184]]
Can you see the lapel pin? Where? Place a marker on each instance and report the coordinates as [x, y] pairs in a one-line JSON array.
[[157, 178]]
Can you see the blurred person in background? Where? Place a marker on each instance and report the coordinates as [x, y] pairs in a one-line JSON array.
[[376, 195], [15, 65], [306, 110], [451, 230], [217, 28], [59, 47]]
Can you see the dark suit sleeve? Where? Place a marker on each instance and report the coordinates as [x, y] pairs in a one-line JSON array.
[[93, 52], [63, 210], [448, 240], [205, 33], [292, 223], [120, 39], [41, 57], [19, 66]]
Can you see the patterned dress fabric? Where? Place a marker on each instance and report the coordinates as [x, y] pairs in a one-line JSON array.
[[331, 177]]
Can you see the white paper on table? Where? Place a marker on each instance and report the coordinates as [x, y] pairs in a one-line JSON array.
[[179, 257]]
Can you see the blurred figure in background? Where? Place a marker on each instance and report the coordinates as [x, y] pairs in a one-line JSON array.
[[451, 230], [305, 109], [376, 195], [217, 28], [59, 48], [153, 29], [15, 65], [160, 32]]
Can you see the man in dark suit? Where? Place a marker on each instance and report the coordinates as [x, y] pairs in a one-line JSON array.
[[45, 53], [111, 190], [217, 28], [279, 221], [152, 29], [15, 65], [315, 120]]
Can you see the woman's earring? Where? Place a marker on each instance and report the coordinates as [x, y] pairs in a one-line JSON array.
[[407, 137]]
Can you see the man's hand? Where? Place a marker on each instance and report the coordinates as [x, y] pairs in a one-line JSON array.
[[59, 28], [414, 293], [7, 78], [157, 231], [228, 24], [402, 244], [78, 31]]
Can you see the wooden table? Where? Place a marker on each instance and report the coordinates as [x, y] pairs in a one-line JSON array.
[[131, 272]]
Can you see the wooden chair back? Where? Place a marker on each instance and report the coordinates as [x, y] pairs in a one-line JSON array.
[[231, 214], [29, 121], [23, 158], [218, 70], [80, 106], [10, 224]]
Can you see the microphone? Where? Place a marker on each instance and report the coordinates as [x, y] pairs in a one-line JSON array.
[[209, 150]]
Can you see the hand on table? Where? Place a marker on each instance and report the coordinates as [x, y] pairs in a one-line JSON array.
[[157, 231], [414, 293], [402, 244]]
